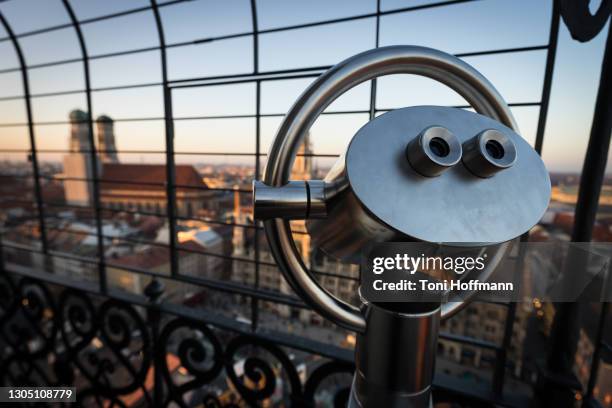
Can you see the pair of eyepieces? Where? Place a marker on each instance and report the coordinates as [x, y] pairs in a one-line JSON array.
[[437, 149]]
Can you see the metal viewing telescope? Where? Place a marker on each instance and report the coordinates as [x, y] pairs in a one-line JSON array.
[[425, 174]]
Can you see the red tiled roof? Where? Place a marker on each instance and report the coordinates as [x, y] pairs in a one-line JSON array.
[[151, 258], [152, 176], [15, 187], [154, 257], [190, 245], [53, 192]]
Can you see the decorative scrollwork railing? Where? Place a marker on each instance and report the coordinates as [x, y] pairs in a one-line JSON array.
[[121, 354]]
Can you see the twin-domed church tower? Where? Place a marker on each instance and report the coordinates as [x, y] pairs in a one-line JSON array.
[[78, 170]]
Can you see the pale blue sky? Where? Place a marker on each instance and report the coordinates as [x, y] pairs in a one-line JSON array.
[[460, 28]]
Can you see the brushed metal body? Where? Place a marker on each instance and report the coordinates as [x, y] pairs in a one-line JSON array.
[[395, 357], [445, 68], [296, 200], [383, 198]]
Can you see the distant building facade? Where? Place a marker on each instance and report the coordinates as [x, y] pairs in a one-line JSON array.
[[141, 187], [133, 187]]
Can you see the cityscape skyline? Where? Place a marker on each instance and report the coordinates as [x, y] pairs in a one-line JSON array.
[[139, 116]]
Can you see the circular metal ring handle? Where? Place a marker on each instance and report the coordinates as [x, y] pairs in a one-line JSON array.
[[437, 65]]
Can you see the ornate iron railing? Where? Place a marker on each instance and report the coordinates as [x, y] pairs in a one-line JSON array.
[[122, 351], [119, 353]]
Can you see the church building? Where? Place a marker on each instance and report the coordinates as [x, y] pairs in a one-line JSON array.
[[125, 186]]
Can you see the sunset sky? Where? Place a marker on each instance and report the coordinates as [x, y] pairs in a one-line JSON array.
[[460, 28]]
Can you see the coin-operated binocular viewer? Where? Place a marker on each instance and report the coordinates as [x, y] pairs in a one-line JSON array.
[[427, 174]]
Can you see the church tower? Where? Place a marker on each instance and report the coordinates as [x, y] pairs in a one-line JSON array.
[[106, 140], [77, 164], [302, 170], [302, 166], [79, 139], [238, 235]]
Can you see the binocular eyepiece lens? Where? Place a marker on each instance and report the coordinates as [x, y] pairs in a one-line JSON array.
[[434, 151], [488, 152], [437, 149], [495, 149]]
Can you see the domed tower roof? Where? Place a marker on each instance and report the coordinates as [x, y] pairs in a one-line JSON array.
[[77, 115], [79, 138], [104, 118]]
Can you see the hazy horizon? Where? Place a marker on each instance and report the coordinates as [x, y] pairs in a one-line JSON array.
[[139, 111]]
